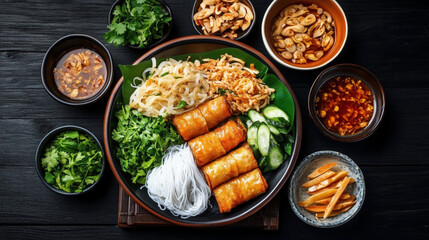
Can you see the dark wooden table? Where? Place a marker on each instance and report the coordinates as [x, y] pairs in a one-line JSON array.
[[391, 38]]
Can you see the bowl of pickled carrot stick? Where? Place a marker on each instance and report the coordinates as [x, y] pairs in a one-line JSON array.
[[327, 189]]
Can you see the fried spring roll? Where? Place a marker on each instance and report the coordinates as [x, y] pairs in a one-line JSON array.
[[240, 189], [230, 166], [206, 148], [215, 111], [190, 124], [231, 134]]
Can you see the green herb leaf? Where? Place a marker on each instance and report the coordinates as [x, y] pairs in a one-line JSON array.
[[141, 142], [221, 91], [70, 159], [164, 74], [182, 104], [288, 148], [138, 22]]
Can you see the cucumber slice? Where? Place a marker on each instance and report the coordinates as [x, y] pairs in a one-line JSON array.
[[248, 122], [264, 136], [255, 116], [252, 136], [274, 113], [275, 158], [273, 129], [274, 140]]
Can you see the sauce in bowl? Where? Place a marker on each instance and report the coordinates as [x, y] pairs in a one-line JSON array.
[[80, 73], [345, 105]]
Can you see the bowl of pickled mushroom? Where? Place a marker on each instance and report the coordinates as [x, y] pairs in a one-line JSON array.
[[229, 19], [346, 102], [304, 35], [77, 70]]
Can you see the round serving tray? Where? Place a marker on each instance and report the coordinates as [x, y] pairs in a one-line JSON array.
[[211, 217]]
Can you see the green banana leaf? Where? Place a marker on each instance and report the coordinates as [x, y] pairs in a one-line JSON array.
[[282, 100]]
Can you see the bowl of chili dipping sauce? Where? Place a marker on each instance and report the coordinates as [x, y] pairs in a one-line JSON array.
[[346, 102], [77, 70]]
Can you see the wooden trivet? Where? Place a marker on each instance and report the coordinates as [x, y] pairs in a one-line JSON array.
[[131, 214]]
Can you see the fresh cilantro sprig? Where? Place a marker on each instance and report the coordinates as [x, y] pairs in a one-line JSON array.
[[72, 161], [142, 142], [137, 22]]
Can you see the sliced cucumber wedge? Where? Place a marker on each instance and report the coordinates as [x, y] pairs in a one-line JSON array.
[[255, 116], [275, 158], [273, 129], [274, 113], [264, 136], [252, 136]]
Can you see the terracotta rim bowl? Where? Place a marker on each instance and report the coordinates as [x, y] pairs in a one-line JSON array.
[[341, 31], [211, 217]]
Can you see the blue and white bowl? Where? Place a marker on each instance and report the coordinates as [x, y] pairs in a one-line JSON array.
[[311, 163]]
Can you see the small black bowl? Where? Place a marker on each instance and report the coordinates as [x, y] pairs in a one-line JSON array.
[[366, 77], [41, 150], [59, 49], [240, 34], [167, 31]]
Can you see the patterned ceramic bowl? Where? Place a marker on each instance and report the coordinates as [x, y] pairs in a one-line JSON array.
[[308, 165]]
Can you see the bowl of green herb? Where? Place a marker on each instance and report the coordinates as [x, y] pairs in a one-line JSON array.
[[70, 160], [139, 24]]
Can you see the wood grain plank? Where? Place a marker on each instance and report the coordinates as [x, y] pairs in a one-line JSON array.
[[31, 202], [388, 188]]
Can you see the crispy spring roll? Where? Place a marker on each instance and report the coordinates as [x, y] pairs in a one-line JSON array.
[[240, 189], [230, 166], [231, 134], [215, 111], [190, 124], [206, 148]]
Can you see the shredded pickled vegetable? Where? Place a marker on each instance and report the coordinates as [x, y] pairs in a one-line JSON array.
[[172, 87], [229, 76], [177, 184]]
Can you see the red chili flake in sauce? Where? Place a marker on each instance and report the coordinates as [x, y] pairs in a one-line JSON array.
[[345, 105]]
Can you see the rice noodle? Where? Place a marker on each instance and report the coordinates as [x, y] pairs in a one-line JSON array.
[[161, 89], [178, 184]]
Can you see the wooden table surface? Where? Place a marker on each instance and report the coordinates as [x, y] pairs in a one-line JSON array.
[[391, 38]]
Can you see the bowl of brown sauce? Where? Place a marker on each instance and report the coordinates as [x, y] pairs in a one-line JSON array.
[[77, 70], [346, 102]]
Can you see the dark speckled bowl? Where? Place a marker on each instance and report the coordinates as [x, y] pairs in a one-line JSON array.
[[41, 151], [311, 163], [157, 41], [59, 49], [240, 34], [359, 72]]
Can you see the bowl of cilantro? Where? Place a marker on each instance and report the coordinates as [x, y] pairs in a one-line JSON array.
[[139, 24], [70, 160]]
